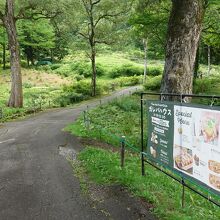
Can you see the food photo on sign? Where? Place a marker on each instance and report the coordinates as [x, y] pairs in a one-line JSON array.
[[196, 145], [183, 159]]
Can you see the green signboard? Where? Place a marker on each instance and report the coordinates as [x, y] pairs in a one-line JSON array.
[[186, 138]]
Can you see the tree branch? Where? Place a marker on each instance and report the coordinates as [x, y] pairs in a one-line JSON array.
[[83, 35], [38, 16], [96, 2], [1, 15], [103, 42], [21, 13], [86, 7], [105, 16]]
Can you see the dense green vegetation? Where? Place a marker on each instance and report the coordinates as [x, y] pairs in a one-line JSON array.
[[68, 82], [110, 122]]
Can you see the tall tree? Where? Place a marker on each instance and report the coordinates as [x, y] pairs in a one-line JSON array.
[[8, 20], [184, 29], [150, 20], [211, 32], [9, 14], [98, 21], [35, 36], [3, 42]]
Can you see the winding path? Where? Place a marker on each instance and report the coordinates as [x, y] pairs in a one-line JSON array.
[[36, 182]]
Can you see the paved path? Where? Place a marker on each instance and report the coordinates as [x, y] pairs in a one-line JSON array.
[[36, 182]]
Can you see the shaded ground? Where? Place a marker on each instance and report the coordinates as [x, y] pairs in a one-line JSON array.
[[36, 180]]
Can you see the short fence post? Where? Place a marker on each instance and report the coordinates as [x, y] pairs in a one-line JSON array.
[[183, 193], [1, 114], [34, 106], [100, 102], [122, 151], [86, 119]]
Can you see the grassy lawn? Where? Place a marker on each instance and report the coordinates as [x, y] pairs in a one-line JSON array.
[[39, 88], [65, 83]]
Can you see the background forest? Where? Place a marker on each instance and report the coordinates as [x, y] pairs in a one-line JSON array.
[[71, 50]]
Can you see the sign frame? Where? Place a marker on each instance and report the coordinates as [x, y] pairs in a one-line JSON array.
[[177, 175]]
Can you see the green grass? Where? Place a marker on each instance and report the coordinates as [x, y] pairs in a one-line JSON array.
[[40, 89], [158, 189], [111, 122]]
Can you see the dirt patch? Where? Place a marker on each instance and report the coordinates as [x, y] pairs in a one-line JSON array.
[[116, 202], [98, 144]]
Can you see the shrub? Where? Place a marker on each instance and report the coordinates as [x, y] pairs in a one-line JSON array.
[[126, 70], [154, 71], [82, 87], [45, 68], [153, 83], [128, 81], [27, 85], [202, 86], [100, 70], [55, 66], [24, 63], [69, 98], [85, 69], [64, 70], [79, 77]]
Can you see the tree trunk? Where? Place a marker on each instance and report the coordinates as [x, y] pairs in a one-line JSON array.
[[28, 62], [30, 55], [16, 97], [196, 66], [93, 60], [145, 59], [4, 56], [209, 60], [52, 55], [182, 41]]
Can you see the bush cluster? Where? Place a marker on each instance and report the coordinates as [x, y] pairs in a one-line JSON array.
[[85, 69], [204, 85], [153, 84], [82, 90], [126, 70], [131, 70]]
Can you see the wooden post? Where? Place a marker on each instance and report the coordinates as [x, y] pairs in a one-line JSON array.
[[1, 113], [183, 193], [122, 151]]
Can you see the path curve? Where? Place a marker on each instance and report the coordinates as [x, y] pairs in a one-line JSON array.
[[35, 181]]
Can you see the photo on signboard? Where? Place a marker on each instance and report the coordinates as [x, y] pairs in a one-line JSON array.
[[183, 159], [214, 166], [214, 181], [209, 127]]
